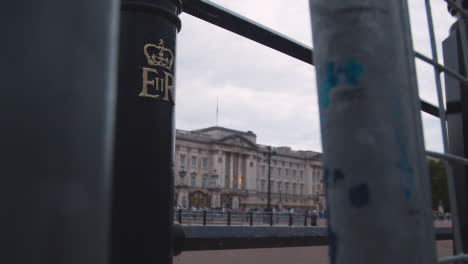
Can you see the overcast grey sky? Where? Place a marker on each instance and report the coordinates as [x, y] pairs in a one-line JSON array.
[[265, 91]]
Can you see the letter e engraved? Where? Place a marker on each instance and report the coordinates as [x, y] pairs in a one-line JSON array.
[[146, 82]]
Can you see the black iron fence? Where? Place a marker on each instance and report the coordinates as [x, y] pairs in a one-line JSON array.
[[205, 217], [258, 218]]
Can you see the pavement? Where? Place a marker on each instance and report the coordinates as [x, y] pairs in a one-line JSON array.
[[295, 255]]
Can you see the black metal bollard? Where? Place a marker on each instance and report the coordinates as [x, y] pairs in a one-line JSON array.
[[290, 219], [142, 213], [313, 220], [305, 219], [204, 217], [57, 111], [179, 216], [229, 218], [251, 218]]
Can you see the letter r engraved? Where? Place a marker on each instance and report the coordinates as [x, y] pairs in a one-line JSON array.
[[169, 89], [146, 82]]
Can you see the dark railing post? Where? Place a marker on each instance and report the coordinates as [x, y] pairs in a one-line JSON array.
[[457, 122], [204, 217], [305, 218], [179, 216], [229, 218], [142, 213], [57, 111], [251, 218], [290, 219], [270, 215]]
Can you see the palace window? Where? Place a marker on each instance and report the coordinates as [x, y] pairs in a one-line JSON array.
[[204, 182], [294, 174], [263, 170], [263, 186], [302, 189], [294, 189], [279, 171], [194, 180], [287, 188], [287, 173], [279, 187], [194, 162], [205, 163], [182, 160]]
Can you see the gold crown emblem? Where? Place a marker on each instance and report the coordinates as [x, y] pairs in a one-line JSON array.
[[158, 55]]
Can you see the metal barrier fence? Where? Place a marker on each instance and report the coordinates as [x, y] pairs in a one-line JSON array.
[[187, 217]]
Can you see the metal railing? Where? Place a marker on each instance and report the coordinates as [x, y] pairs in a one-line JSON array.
[[204, 217]]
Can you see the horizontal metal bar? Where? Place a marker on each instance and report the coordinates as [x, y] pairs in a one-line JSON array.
[[229, 20], [452, 259], [460, 10], [452, 108], [448, 157], [242, 237], [442, 68], [429, 108]]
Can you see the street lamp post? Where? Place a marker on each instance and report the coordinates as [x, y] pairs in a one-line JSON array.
[[182, 174], [214, 179], [268, 154]]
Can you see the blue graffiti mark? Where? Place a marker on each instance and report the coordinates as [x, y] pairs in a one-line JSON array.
[[331, 80], [351, 70], [403, 161], [337, 175], [359, 195]]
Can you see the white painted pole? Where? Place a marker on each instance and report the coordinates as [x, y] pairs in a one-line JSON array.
[[374, 161]]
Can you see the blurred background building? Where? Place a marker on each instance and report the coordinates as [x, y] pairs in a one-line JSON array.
[[217, 168]]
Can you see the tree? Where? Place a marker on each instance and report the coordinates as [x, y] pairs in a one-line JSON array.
[[439, 187]]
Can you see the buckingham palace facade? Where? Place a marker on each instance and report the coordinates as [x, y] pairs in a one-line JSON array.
[[217, 168]]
